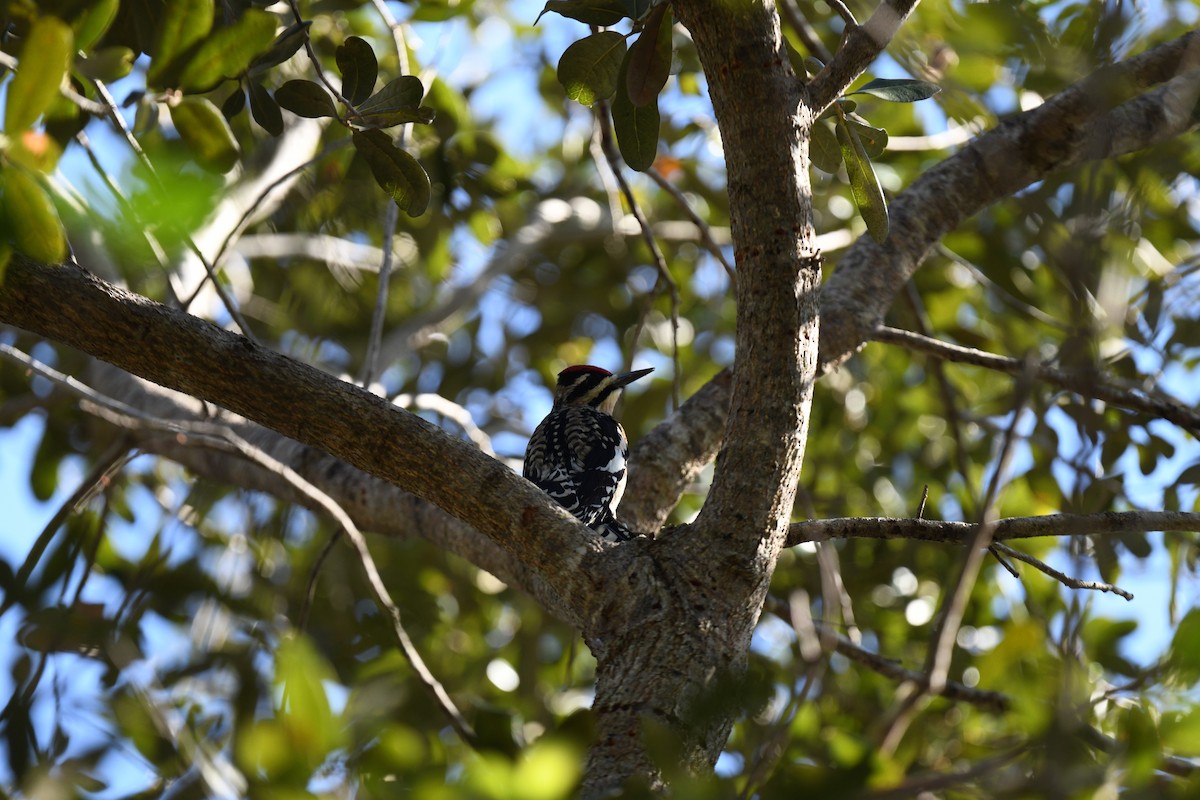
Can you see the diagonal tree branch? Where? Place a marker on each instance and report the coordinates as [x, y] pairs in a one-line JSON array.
[[861, 45], [1085, 384], [929, 530], [175, 349], [1024, 148]]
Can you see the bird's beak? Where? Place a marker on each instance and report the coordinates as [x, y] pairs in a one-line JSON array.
[[627, 378]]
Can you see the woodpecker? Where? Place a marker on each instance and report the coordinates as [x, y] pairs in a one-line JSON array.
[[577, 453]]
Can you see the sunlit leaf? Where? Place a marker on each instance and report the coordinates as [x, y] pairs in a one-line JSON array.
[[204, 129], [899, 90], [824, 150], [589, 68], [359, 67], [874, 140], [91, 22], [397, 172], [228, 52], [864, 185], [45, 56], [107, 64], [650, 58], [183, 24], [31, 218]]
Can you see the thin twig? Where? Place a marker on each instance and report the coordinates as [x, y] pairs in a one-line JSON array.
[[949, 401], [114, 114], [844, 12], [1063, 578], [1088, 384], [806, 32], [706, 238], [65, 89], [660, 262], [111, 461], [224, 438], [1002, 294], [391, 215]]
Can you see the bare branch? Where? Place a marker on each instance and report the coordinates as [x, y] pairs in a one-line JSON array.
[[191, 355], [1061, 577], [222, 437], [1108, 523], [1087, 384]]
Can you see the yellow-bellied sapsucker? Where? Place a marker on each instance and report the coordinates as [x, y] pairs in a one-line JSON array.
[[577, 453]]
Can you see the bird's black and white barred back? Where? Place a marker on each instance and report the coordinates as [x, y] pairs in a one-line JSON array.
[[577, 453]]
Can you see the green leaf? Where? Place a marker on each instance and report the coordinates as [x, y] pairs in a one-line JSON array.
[[650, 58], [229, 51], [31, 218], [636, 127], [864, 184], [184, 23], [1184, 656], [45, 56], [284, 47], [899, 90], [91, 22], [824, 150], [402, 94], [305, 98], [589, 68], [206, 133], [359, 67], [107, 64], [874, 140], [397, 172], [591, 12], [389, 119], [634, 9], [265, 110]]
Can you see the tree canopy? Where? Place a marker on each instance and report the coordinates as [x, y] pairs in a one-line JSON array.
[[283, 289]]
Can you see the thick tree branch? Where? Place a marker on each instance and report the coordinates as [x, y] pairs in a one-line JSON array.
[[1024, 148], [929, 530], [862, 45], [175, 349]]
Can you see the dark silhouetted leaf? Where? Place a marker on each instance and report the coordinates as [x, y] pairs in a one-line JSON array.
[[234, 104], [899, 90], [634, 9], [45, 56], [395, 170], [589, 68], [389, 119], [229, 51], [284, 47], [650, 58], [590, 12], [265, 110], [305, 98], [206, 133], [636, 128], [864, 184], [402, 94], [31, 218], [184, 23], [359, 67]]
